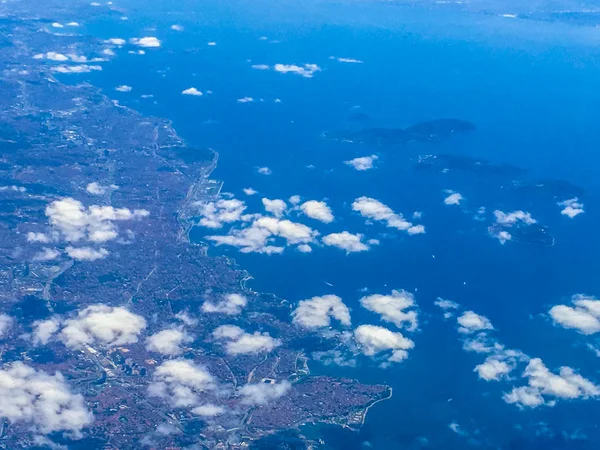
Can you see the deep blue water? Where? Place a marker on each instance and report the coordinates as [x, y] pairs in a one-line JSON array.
[[533, 92]]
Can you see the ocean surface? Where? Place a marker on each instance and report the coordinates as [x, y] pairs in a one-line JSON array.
[[532, 89]]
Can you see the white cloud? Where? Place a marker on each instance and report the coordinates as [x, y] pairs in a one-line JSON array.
[[52, 56], [375, 339], [346, 60], [304, 248], [276, 207], [38, 237], [572, 207], [43, 330], [108, 52], [393, 308], [231, 304], [73, 24], [168, 342], [43, 401], [471, 322], [148, 42], [180, 381], [362, 163], [349, 242], [215, 214], [239, 342], [454, 198], [295, 199], [373, 209], [123, 88], [566, 385], [250, 191], [448, 306], [176, 27], [86, 253], [211, 44], [208, 410], [116, 41], [57, 25], [317, 210], [524, 396], [261, 66], [80, 68], [317, 312], [246, 100], [192, 91], [186, 319], [493, 368], [96, 188], [503, 236], [13, 188], [103, 325], [264, 171], [256, 237], [584, 316], [47, 254], [96, 223], [5, 324], [263, 393], [307, 70], [513, 218]]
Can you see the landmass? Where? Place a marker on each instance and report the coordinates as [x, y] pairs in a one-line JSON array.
[[96, 203]]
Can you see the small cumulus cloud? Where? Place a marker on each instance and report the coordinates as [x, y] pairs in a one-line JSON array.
[[567, 384], [373, 209], [81, 68], [453, 198], [5, 324], [257, 238], [317, 312], [373, 339], [264, 171], [513, 218], [263, 393], [317, 210], [103, 325], [208, 410], [471, 322], [571, 208], [250, 191], [306, 70], [239, 342], [116, 41], [395, 308], [192, 91], [168, 342], [362, 163], [44, 330], [86, 253], [215, 214], [230, 304], [276, 207], [583, 316], [123, 88], [347, 241], [96, 188], [41, 401], [181, 382], [176, 27], [147, 42], [46, 254]]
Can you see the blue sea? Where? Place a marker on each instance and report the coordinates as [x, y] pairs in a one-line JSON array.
[[532, 89]]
